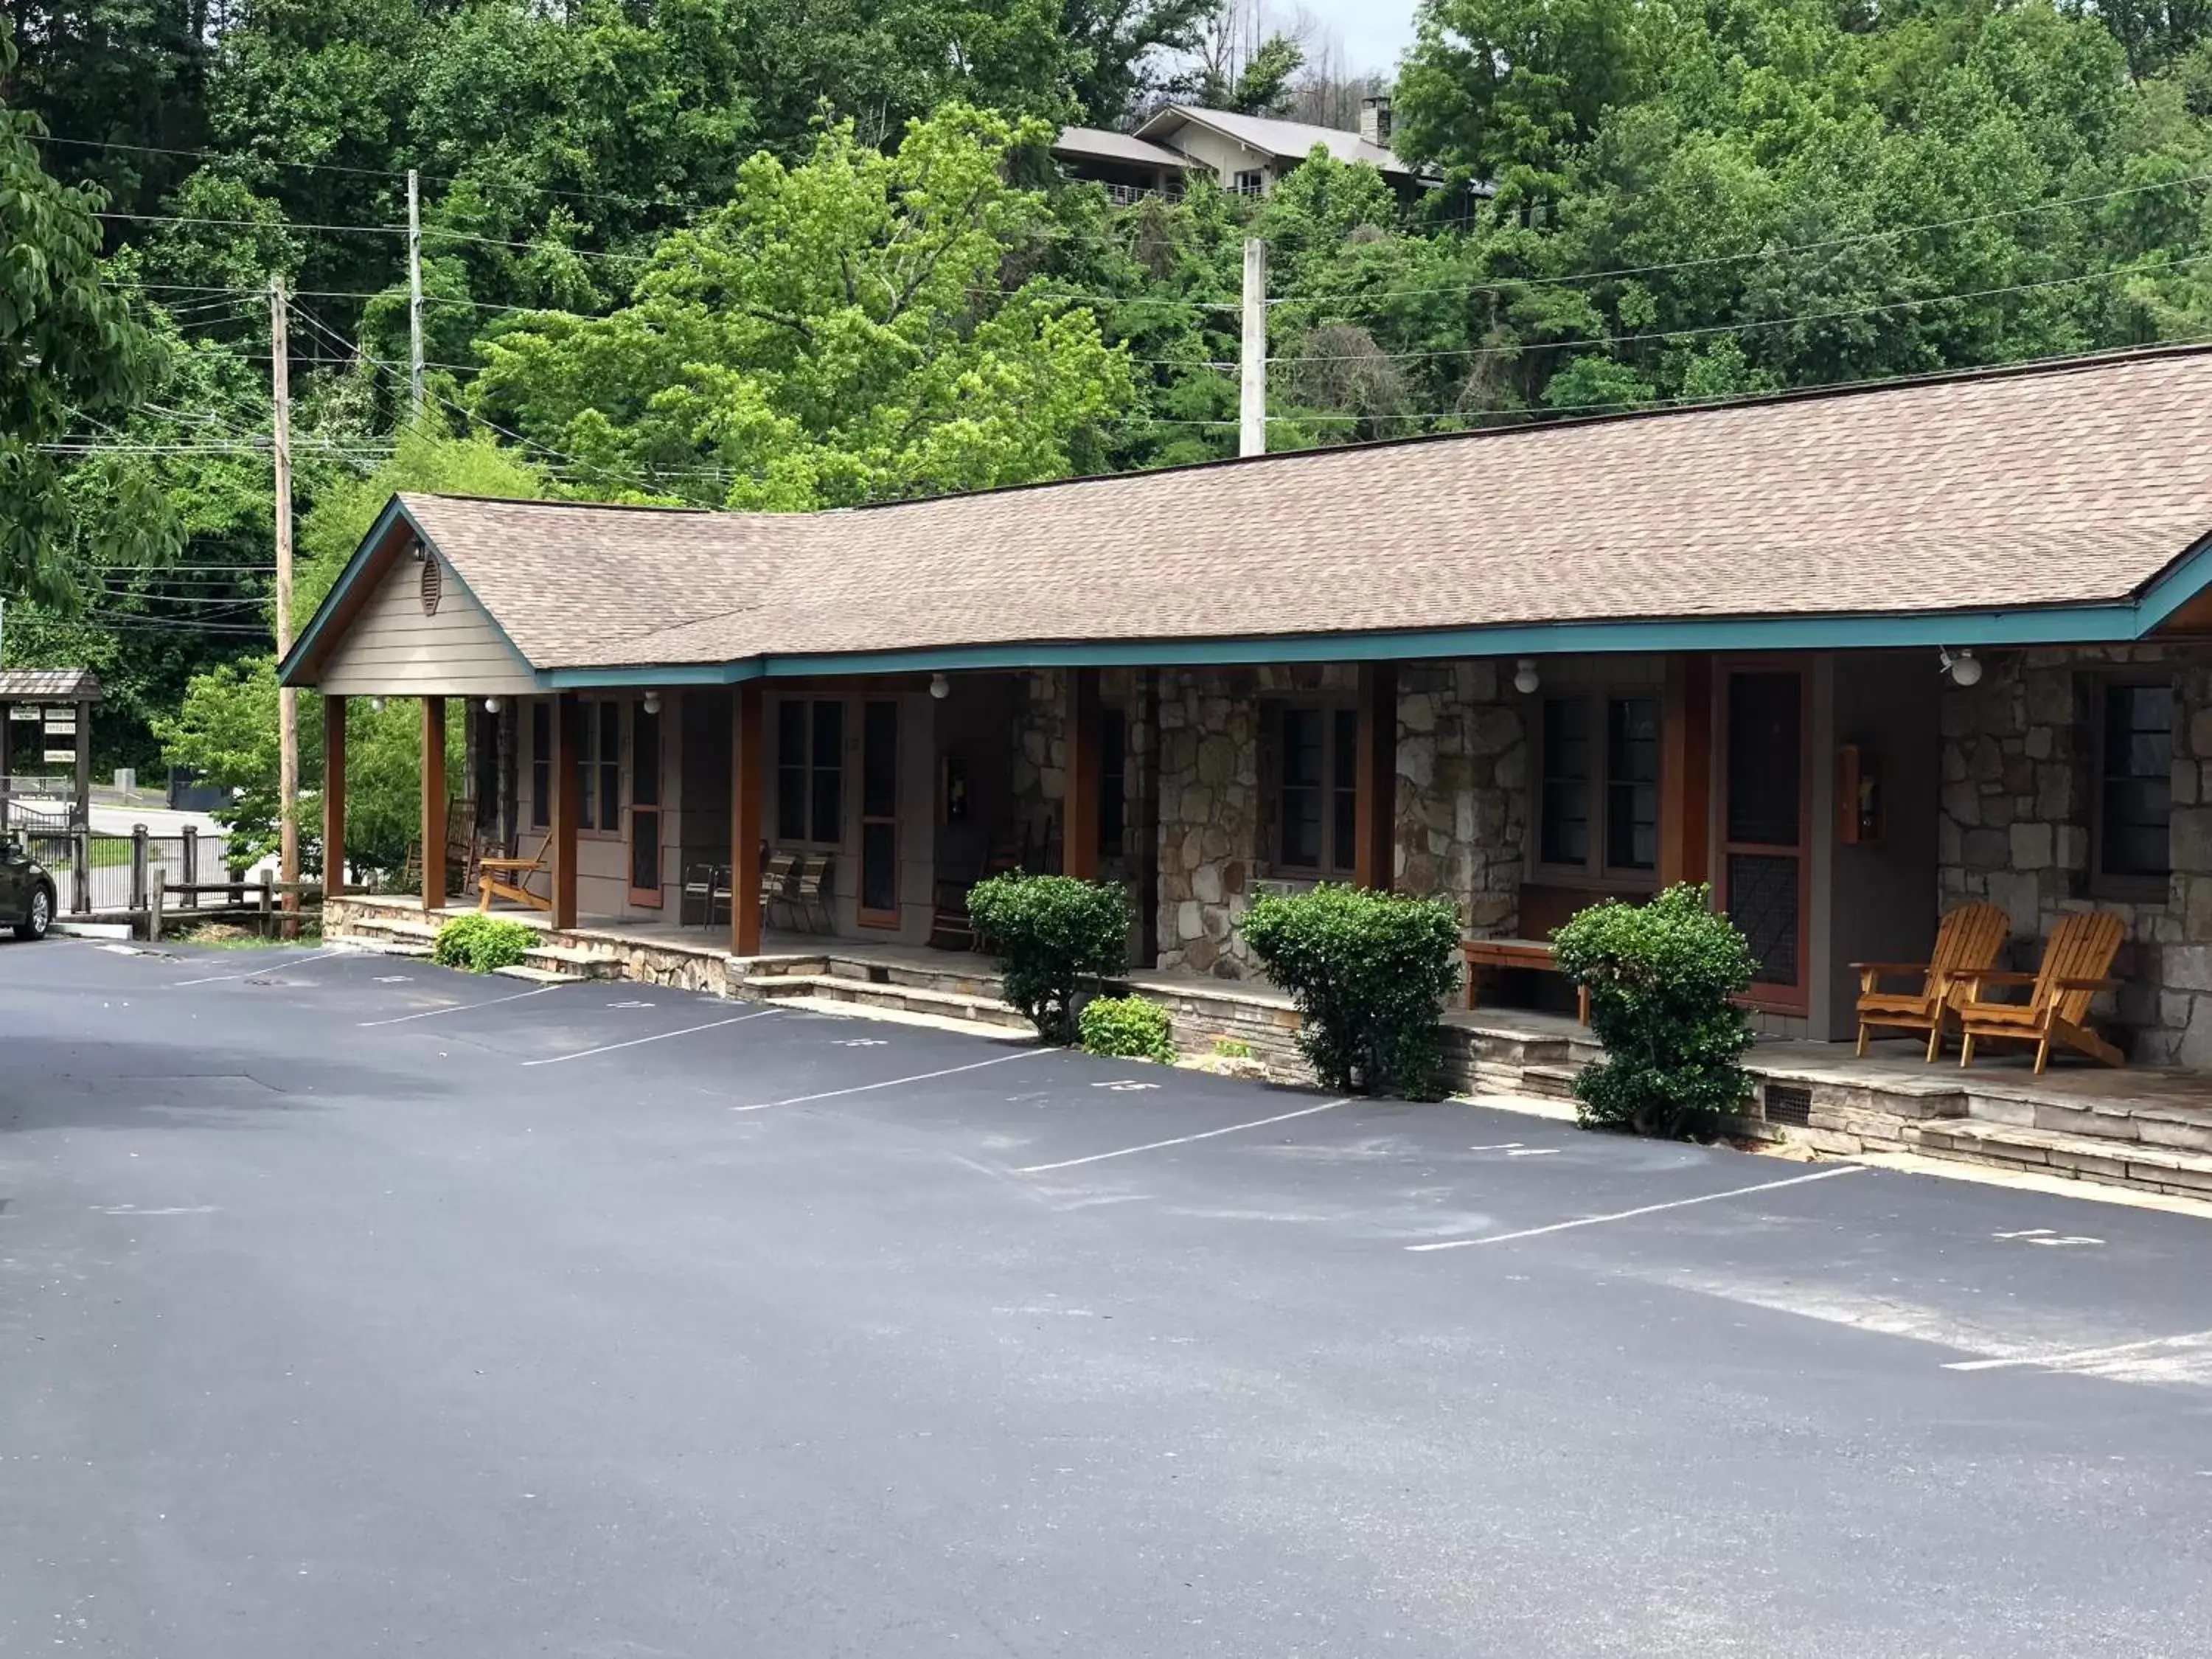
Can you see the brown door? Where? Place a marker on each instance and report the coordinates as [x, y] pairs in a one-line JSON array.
[[1766, 863], [645, 888], [879, 834]]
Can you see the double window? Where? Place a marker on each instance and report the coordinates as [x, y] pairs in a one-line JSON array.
[[598, 772], [1598, 808], [599, 767], [2134, 787], [1316, 796], [810, 775]]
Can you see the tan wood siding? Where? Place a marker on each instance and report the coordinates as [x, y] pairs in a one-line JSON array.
[[393, 649]]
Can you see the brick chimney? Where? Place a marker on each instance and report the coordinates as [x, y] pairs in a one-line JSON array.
[[1375, 121]]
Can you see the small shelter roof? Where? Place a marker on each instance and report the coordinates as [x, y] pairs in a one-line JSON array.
[[49, 685]]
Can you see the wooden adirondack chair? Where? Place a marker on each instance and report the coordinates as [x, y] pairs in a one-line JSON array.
[[2076, 963], [1969, 939], [508, 878]]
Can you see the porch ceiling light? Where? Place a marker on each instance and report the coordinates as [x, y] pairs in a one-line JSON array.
[[491, 705], [1525, 678], [939, 687], [1964, 668], [653, 702], [377, 703]]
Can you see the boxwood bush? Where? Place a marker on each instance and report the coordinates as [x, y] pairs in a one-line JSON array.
[[1662, 979], [482, 944], [1053, 935], [1369, 972], [1127, 1026]]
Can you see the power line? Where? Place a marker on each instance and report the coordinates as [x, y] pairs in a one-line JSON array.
[[243, 224]]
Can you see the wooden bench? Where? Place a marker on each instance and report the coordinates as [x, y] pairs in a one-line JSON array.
[[1527, 953], [508, 878]]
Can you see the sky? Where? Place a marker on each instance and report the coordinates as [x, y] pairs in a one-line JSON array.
[[1374, 32]]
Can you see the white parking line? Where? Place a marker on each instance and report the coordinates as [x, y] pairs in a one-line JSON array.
[[1184, 1141], [263, 968], [1645, 1209], [657, 1037], [460, 1008], [893, 1082]]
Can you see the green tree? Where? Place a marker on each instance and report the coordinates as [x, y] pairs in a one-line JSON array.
[[844, 331], [69, 350]]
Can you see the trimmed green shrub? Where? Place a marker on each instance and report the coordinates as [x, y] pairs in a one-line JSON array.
[[482, 944], [1127, 1026], [1369, 972], [1663, 978], [1052, 935]]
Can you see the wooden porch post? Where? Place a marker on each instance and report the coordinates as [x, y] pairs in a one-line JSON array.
[[1079, 841], [1374, 834], [433, 803], [334, 799], [568, 806], [1685, 770], [747, 819]]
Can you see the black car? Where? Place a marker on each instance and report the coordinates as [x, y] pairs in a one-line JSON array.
[[27, 890]]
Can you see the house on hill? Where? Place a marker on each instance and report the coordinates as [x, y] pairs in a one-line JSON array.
[[1245, 155]]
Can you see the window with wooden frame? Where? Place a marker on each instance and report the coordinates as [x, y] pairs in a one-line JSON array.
[[599, 795], [541, 764], [1112, 781], [2132, 817], [1597, 793], [810, 772], [1315, 802]]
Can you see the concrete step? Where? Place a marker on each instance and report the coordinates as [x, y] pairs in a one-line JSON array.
[[2091, 1157], [862, 995]]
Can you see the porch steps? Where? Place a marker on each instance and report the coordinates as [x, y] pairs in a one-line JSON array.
[[859, 986], [379, 944], [2168, 1125], [2102, 1159], [556, 964]]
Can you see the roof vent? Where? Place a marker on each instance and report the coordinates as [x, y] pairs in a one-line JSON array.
[[1375, 121], [434, 584]]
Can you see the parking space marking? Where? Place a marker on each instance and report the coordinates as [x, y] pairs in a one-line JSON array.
[[458, 1007], [1644, 1209], [261, 968], [657, 1037], [893, 1082], [1184, 1141]]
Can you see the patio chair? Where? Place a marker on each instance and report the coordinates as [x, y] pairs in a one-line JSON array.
[[949, 926], [508, 878], [808, 897], [1969, 939], [778, 870], [2076, 963], [709, 883]]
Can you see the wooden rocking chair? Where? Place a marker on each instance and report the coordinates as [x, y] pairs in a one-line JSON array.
[[2076, 965], [1969, 941], [508, 878]]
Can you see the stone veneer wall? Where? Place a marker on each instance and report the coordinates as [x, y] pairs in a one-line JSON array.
[[2019, 783], [1209, 807], [1040, 769], [1463, 812]]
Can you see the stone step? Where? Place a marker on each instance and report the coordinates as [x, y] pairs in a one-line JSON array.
[[2091, 1157], [931, 979], [759, 967], [2177, 1125], [1551, 1082], [572, 962], [379, 944], [523, 970], [909, 999], [396, 927]]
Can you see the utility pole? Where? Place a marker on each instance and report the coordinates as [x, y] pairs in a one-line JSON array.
[[1252, 395], [288, 699], [415, 292]]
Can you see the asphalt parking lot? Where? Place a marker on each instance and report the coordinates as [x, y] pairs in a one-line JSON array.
[[348, 1306]]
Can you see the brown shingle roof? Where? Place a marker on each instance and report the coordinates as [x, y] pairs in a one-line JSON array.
[[2069, 485]]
